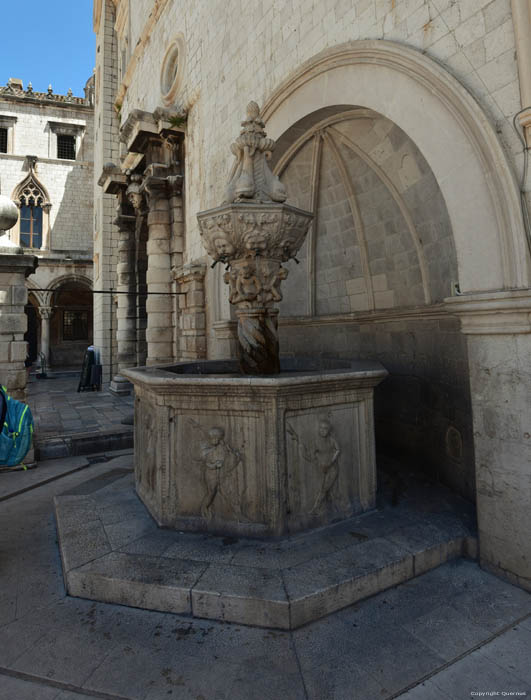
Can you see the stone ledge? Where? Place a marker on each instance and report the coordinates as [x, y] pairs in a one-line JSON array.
[[112, 551], [58, 446]]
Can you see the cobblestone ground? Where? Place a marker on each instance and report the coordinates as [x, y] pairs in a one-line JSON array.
[[58, 408]]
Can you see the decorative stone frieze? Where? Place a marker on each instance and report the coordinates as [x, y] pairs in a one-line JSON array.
[[253, 233], [260, 456]]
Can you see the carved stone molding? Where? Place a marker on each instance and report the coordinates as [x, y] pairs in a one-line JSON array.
[[493, 313], [140, 126], [112, 179], [45, 312]]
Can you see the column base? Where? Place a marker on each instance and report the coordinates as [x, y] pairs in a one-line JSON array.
[[120, 386]]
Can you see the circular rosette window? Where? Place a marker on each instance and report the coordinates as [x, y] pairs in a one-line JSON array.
[[172, 70]]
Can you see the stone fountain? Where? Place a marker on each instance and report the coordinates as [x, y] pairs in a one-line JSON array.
[[268, 459], [263, 446]]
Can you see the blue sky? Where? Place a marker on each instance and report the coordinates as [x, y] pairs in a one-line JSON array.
[[47, 41]]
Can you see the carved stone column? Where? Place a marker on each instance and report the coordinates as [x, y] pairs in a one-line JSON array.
[[159, 280], [126, 288], [253, 233], [45, 314], [138, 202], [192, 322]]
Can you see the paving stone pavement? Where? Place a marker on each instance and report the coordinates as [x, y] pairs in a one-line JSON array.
[[454, 630], [58, 408]]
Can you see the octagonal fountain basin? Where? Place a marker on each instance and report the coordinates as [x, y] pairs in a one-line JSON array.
[[221, 452]]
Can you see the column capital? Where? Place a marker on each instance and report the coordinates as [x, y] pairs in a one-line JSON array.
[[155, 183], [492, 313], [191, 271], [45, 312]]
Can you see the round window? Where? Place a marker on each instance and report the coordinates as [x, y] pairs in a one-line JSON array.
[[172, 70]]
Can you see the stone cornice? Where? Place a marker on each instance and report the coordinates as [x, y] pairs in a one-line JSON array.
[[226, 328], [50, 161], [493, 313], [112, 179], [141, 125], [17, 262], [42, 98]]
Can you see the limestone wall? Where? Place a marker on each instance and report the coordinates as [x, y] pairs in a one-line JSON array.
[[236, 51], [106, 150], [69, 183]]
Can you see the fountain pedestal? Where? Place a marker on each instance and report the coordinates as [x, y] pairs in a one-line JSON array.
[[263, 456], [255, 447]]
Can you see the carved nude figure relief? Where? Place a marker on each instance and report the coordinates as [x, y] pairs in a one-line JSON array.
[[219, 462], [244, 284], [323, 453]]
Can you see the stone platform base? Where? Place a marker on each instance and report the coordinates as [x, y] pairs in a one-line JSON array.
[[112, 551]]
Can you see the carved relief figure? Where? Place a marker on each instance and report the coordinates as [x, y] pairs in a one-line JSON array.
[[224, 248], [324, 455], [272, 291], [246, 285], [219, 463]]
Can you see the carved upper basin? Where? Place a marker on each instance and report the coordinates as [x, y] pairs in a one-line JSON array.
[[240, 230]]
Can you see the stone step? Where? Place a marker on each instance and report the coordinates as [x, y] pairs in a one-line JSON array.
[[112, 551], [75, 444]]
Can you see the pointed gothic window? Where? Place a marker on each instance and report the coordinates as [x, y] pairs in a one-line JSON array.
[[34, 206], [31, 224]]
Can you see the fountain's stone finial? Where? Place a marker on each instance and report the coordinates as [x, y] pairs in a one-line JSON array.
[[253, 233], [250, 178]]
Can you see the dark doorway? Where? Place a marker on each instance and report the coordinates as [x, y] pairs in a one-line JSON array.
[[31, 336]]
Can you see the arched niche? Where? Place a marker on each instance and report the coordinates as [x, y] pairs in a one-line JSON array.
[[374, 271], [381, 237], [448, 127]]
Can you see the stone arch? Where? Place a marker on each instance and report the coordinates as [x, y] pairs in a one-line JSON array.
[[31, 187], [69, 319], [468, 161], [64, 279], [35, 291]]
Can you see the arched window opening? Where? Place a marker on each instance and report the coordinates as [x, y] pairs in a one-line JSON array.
[[31, 222], [34, 204]]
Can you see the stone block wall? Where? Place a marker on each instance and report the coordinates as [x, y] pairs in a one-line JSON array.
[[69, 183], [230, 45], [423, 409], [106, 234]]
